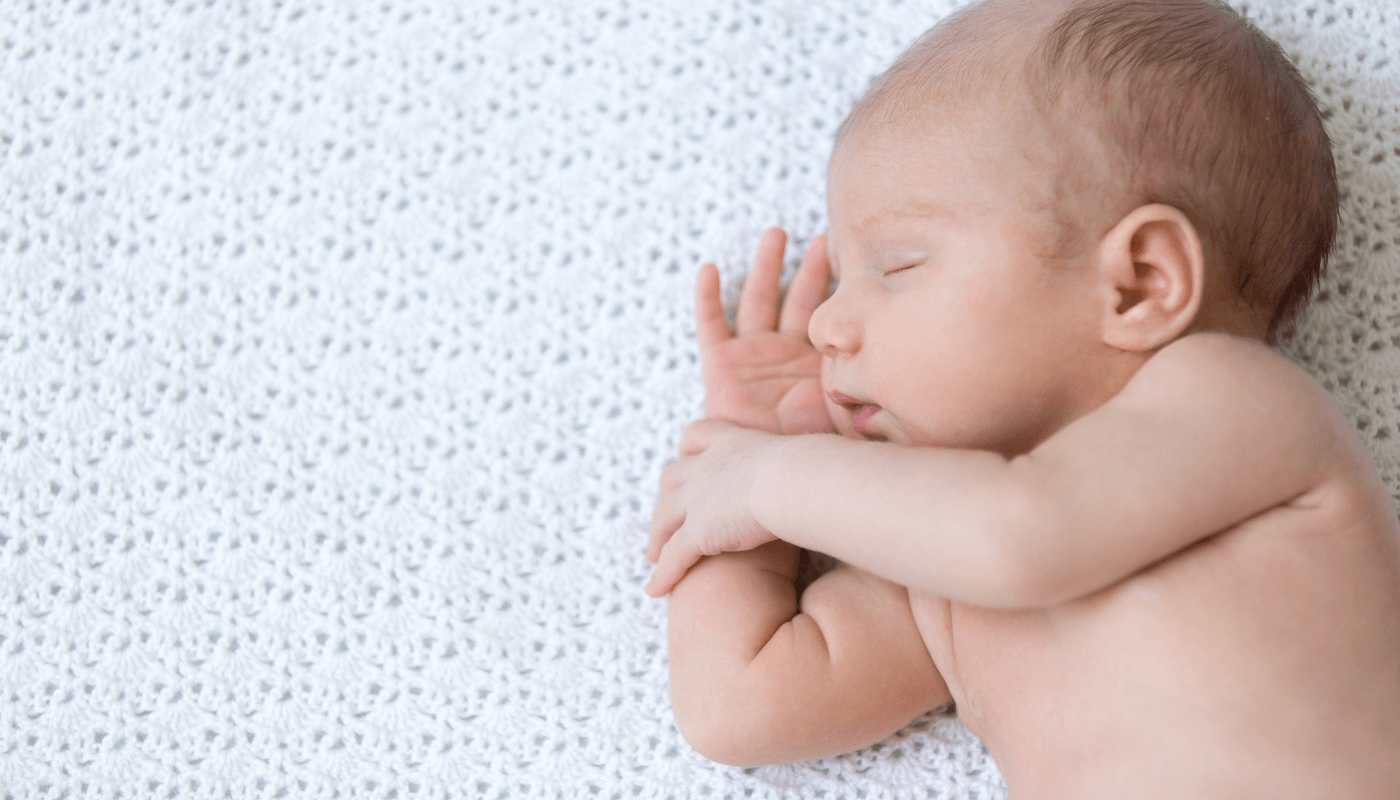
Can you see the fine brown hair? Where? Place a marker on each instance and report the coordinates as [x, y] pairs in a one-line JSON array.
[[1212, 118], [1184, 102]]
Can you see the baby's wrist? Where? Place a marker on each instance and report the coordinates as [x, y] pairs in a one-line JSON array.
[[770, 467]]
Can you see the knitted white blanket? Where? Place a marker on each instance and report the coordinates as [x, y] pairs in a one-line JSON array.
[[342, 345]]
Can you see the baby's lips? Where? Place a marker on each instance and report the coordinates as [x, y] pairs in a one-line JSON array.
[[862, 411]]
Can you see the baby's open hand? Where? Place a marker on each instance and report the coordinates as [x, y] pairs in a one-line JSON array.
[[703, 508], [766, 375]]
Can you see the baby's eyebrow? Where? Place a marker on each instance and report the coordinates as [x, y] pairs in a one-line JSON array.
[[916, 208], [923, 207]]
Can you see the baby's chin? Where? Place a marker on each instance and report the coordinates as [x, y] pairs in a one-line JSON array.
[[868, 436], [928, 429], [881, 434], [896, 435], [888, 428]]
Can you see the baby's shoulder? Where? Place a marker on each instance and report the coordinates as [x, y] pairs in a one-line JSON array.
[[1232, 374], [1225, 359], [1245, 377]]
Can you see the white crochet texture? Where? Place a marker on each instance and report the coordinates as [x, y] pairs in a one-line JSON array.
[[342, 345]]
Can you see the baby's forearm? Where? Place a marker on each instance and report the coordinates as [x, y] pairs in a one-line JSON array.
[[928, 518]]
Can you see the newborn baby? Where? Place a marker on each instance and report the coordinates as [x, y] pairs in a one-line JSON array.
[[1145, 555]]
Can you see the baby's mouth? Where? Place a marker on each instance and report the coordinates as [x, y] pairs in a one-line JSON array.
[[862, 412]]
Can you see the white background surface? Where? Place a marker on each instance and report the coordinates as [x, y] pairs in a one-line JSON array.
[[342, 344]]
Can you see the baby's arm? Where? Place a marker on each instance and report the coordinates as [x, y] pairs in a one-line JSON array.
[[759, 678], [755, 680], [1211, 431]]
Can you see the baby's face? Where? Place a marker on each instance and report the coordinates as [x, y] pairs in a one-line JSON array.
[[946, 316]]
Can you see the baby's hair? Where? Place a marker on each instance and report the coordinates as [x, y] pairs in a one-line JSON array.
[[1191, 104], [1211, 117]]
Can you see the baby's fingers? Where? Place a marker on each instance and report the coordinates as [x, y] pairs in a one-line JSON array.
[[711, 328], [677, 557], [808, 289], [669, 513], [666, 518], [758, 304]]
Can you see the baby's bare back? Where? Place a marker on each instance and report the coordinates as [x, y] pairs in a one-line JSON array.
[[1261, 662]]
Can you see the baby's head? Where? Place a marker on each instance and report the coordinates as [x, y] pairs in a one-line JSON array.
[[1073, 184]]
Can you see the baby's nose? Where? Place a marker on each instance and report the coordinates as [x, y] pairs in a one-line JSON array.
[[832, 329]]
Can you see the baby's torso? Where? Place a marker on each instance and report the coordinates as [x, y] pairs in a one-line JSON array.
[[1263, 662]]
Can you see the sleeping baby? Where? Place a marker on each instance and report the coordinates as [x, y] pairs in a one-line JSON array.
[[1070, 486]]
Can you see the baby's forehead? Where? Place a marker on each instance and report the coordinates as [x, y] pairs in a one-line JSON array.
[[903, 195], [922, 164]]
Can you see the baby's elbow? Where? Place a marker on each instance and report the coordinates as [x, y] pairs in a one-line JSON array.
[[1003, 586], [1021, 578], [1030, 577], [721, 747], [1020, 568], [1022, 583], [730, 732]]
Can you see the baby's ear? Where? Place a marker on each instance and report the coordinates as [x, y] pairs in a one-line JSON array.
[[1151, 271]]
